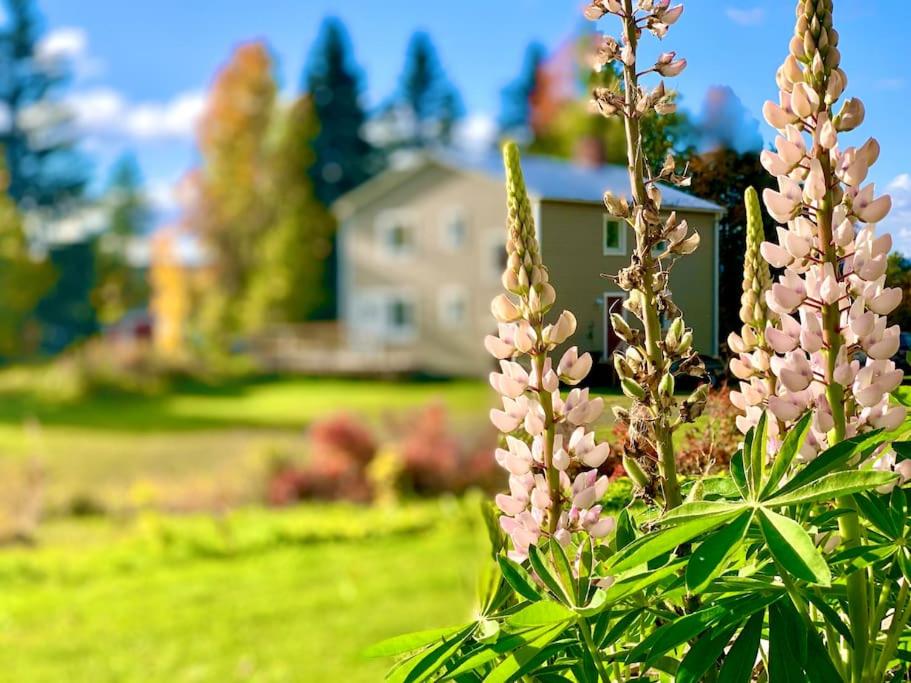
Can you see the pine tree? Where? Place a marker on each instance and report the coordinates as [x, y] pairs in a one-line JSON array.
[[517, 97], [344, 158], [120, 286], [427, 106], [289, 281], [43, 167]]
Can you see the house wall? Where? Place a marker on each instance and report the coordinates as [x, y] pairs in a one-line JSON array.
[[433, 271], [431, 274], [572, 249]]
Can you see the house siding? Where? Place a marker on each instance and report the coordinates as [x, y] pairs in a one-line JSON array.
[[433, 270], [432, 273], [572, 249]]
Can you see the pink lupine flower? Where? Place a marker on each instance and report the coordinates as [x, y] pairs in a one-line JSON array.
[[573, 368]]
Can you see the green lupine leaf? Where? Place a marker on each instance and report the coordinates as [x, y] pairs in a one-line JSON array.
[[738, 475], [626, 529], [586, 566], [504, 644], [831, 486], [790, 447], [409, 642], [832, 617], [675, 633], [595, 605], [634, 583], [711, 557], [657, 543], [832, 459], [518, 578], [741, 658], [563, 571], [698, 510], [758, 454], [793, 549], [523, 659], [423, 665], [546, 575], [539, 614], [702, 656]]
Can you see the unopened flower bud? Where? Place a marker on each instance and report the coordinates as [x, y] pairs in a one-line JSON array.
[[632, 388], [635, 472]]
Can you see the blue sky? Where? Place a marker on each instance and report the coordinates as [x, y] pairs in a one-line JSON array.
[[142, 68]]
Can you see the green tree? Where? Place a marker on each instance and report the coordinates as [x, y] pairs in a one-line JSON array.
[[343, 156], [23, 281], [517, 98], [898, 274], [120, 286], [426, 107], [288, 282], [43, 167], [232, 208]]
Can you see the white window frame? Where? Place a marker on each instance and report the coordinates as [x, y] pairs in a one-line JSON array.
[[456, 213], [612, 251], [389, 220], [449, 294]]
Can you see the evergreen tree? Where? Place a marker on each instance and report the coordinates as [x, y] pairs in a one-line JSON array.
[[289, 280], [44, 169], [517, 98], [66, 313], [427, 106], [343, 157], [121, 286], [23, 281]]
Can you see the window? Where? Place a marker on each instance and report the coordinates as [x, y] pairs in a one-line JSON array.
[[455, 230], [613, 237], [453, 306], [401, 314], [395, 233], [498, 257]]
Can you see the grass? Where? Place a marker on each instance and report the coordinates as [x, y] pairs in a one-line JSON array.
[[98, 602], [201, 442]]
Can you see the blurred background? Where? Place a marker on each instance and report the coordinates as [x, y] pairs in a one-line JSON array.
[[246, 254]]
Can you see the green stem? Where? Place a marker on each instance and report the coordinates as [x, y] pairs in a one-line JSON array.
[[553, 475], [667, 465], [900, 618]]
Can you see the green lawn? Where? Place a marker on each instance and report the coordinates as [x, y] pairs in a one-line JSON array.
[[257, 597], [200, 445]]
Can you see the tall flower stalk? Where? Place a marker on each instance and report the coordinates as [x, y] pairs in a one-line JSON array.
[[550, 453], [832, 346], [658, 352]]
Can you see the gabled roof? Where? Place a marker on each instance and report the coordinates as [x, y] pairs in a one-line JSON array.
[[547, 178]]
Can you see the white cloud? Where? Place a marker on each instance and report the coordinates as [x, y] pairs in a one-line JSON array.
[[898, 222], [68, 47], [744, 16], [105, 113], [476, 132]]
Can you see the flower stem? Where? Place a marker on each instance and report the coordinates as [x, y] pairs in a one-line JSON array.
[[595, 652], [553, 475], [667, 466]]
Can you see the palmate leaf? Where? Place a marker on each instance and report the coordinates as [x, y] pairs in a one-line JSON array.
[[627, 585], [425, 664], [697, 510], [832, 486], [546, 575], [657, 543], [754, 466], [711, 557], [675, 633], [539, 614], [792, 548]]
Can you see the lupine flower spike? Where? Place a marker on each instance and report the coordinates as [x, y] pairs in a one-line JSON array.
[[551, 454], [832, 347], [652, 358]]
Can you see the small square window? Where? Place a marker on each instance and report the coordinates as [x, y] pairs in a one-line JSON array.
[[613, 236], [453, 306], [455, 231], [395, 234]]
